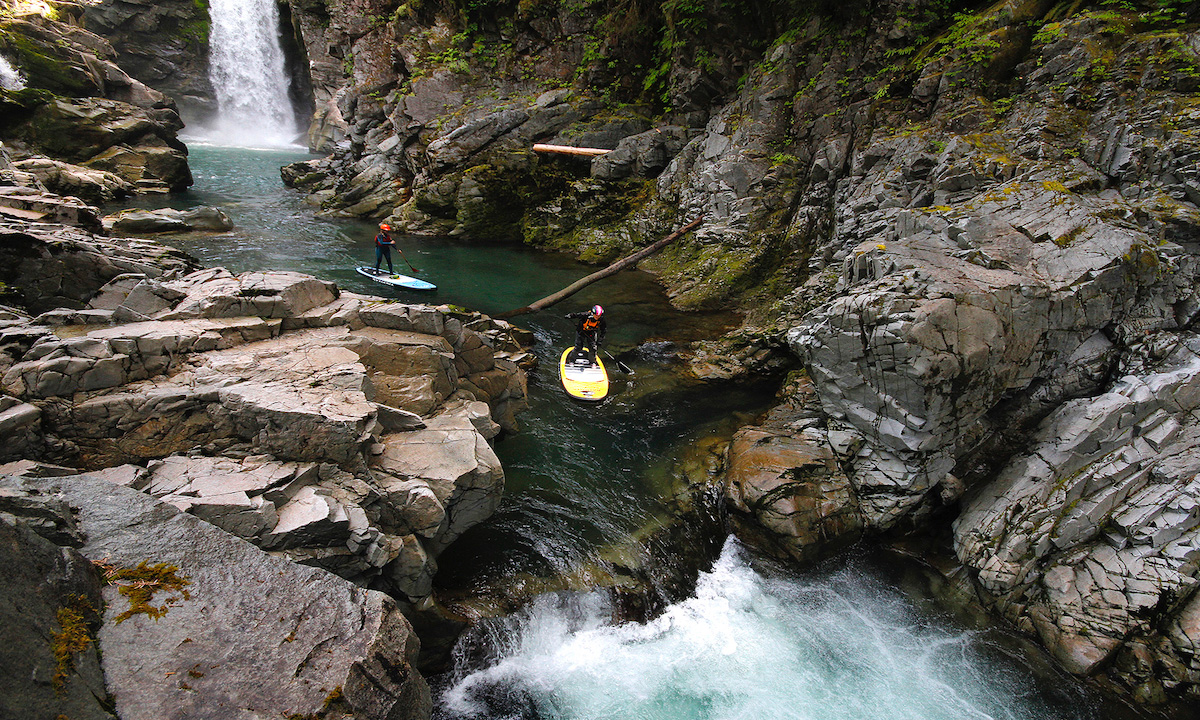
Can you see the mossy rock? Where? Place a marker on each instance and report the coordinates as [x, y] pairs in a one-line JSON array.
[[489, 207], [78, 130], [707, 277], [44, 64], [16, 106]]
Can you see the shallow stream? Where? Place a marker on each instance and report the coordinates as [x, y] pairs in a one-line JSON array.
[[755, 640]]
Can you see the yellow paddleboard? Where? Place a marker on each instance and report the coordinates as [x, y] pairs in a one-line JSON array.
[[583, 380]]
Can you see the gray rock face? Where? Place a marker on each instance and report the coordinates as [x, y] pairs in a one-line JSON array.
[[20, 426], [137, 145], [252, 636], [54, 267], [97, 117], [45, 585], [161, 44], [70, 61], [917, 351], [1092, 532], [994, 305], [31, 204], [89, 184], [645, 154]]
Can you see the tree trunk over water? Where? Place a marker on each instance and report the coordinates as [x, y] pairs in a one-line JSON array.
[[613, 269]]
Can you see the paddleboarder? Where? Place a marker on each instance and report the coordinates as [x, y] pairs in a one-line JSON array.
[[590, 328], [383, 247]]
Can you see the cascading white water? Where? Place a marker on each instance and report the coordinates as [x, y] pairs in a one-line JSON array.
[[840, 647], [248, 73], [10, 78]]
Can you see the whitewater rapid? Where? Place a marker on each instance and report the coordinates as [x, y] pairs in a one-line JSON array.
[[840, 646]]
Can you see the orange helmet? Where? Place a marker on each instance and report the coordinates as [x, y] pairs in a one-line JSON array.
[[385, 227]]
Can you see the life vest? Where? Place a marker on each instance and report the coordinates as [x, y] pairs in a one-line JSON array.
[[382, 240], [590, 324]]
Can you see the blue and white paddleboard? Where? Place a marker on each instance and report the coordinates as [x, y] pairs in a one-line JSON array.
[[387, 278]]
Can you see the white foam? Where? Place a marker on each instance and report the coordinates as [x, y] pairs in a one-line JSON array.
[[838, 648], [10, 77]]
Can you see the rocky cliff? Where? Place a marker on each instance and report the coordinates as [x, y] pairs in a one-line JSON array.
[[81, 125], [973, 225]]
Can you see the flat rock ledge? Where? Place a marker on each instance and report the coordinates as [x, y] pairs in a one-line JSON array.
[[339, 431], [253, 636]]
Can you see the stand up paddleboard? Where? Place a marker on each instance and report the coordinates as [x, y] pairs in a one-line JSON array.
[[387, 278], [580, 378]]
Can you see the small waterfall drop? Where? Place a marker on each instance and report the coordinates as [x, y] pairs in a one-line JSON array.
[[837, 646], [247, 70], [10, 78]]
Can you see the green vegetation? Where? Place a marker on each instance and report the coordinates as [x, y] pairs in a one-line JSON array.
[[75, 619], [140, 584], [1068, 238], [195, 30], [45, 8], [334, 705]]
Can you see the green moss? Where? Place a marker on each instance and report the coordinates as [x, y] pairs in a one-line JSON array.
[[140, 584], [335, 702], [41, 67], [1068, 238], [75, 637]]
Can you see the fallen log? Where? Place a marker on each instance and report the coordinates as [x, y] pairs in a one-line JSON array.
[[613, 269], [568, 150]]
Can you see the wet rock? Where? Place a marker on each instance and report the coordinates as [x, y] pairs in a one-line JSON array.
[[167, 220], [785, 475]]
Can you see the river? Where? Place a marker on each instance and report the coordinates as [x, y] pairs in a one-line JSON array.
[[754, 640]]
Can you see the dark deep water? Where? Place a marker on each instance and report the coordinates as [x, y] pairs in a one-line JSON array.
[[754, 640]]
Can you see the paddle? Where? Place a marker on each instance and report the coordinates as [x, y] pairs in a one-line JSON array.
[[620, 365], [406, 262]]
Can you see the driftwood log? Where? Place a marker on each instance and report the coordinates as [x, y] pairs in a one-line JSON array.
[[568, 150], [613, 269]]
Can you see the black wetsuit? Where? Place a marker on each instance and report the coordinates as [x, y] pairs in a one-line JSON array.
[[383, 250], [589, 333]]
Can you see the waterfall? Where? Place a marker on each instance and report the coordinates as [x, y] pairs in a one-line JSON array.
[[247, 70], [10, 79]]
